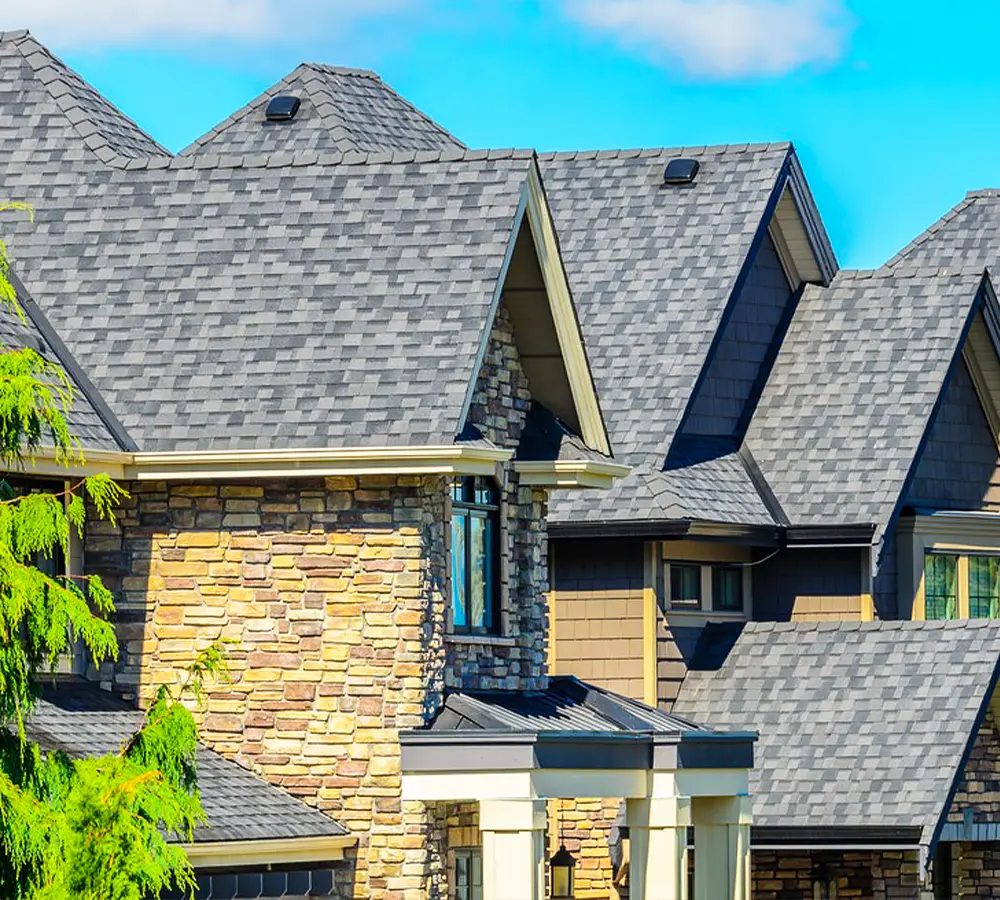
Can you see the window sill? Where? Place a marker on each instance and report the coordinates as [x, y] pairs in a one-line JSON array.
[[709, 614], [483, 640]]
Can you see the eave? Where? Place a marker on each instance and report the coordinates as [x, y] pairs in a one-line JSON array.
[[570, 473], [233, 854], [668, 529], [450, 459]]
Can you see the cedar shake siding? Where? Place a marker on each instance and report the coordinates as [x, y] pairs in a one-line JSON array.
[[958, 468], [598, 613], [734, 376], [809, 585]]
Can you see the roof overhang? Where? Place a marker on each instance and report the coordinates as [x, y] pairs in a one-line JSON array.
[[835, 837], [570, 473], [811, 536], [449, 459], [668, 529], [474, 750], [281, 851]]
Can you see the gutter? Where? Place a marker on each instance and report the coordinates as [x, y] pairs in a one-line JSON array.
[[273, 851]]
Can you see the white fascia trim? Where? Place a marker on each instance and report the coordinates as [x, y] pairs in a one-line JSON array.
[[447, 459], [212, 854], [570, 473]]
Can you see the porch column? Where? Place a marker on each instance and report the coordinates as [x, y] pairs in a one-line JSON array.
[[658, 857], [721, 848], [513, 849]]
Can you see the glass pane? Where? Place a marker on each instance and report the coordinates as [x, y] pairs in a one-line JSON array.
[[461, 870], [685, 585], [940, 586], [727, 589], [984, 587], [479, 570], [459, 600], [477, 873]]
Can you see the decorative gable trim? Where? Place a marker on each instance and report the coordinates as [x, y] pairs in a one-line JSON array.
[[570, 473]]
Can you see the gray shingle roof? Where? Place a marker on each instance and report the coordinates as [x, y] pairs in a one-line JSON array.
[[257, 305], [103, 128], [851, 394], [567, 705], [860, 724], [82, 721], [341, 110], [652, 269]]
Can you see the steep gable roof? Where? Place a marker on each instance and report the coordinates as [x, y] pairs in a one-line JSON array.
[[341, 110], [861, 724], [100, 126], [854, 388], [259, 306]]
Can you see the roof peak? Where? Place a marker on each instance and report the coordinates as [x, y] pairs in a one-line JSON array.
[[328, 69]]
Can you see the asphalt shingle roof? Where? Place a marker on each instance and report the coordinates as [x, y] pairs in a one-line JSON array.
[[82, 721], [861, 724], [341, 110], [851, 393]]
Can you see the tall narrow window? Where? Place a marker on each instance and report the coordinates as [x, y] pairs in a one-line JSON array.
[[727, 589], [475, 556], [940, 586], [984, 587], [469, 874]]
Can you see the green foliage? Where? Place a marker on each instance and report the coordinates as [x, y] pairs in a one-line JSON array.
[[98, 828]]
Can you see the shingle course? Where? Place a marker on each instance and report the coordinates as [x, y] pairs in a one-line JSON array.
[[82, 721], [851, 393], [860, 724]]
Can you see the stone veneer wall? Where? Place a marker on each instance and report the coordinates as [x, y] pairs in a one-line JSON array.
[[979, 789], [885, 875], [335, 594]]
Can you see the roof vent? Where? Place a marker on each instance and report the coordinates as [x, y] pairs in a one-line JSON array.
[[282, 109], [681, 171]]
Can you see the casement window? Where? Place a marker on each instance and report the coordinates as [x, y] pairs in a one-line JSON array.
[[475, 556], [704, 587], [961, 585], [469, 874]]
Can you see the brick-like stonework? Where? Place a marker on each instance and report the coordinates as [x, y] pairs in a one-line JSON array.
[[979, 789], [335, 594], [583, 826], [885, 875]]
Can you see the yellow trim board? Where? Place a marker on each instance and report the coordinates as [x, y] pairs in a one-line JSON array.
[[570, 473], [650, 623], [212, 854], [567, 327]]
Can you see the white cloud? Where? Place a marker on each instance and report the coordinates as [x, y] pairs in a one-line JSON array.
[[724, 38], [97, 24]]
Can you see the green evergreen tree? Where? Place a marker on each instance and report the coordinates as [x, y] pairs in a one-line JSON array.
[[96, 828]]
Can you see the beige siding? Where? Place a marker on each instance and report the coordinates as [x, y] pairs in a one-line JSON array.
[[597, 587]]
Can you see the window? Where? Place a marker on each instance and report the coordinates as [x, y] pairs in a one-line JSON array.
[[727, 589], [940, 586], [685, 586], [941, 872], [469, 874], [704, 587], [475, 556], [984, 587]]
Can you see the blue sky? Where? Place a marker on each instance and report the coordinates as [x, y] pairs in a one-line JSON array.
[[891, 104]]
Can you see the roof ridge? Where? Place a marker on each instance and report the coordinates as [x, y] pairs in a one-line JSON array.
[[633, 152], [328, 69], [281, 159], [93, 138]]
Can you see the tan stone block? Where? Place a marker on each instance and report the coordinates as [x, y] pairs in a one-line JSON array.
[[198, 539], [242, 490]]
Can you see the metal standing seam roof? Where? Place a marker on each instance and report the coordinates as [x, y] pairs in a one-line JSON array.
[[342, 110], [567, 705], [861, 724], [82, 721], [853, 389]]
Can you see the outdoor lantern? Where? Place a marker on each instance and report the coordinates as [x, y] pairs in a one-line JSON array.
[[561, 866]]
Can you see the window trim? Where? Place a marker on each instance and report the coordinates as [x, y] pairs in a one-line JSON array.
[[706, 604], [491, 512]]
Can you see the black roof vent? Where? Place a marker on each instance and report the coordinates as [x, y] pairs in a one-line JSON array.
[[282, 109], [681, 171]]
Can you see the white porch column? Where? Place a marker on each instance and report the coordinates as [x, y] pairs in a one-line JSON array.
[[658, 857], [721, 848], [513, 849]]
